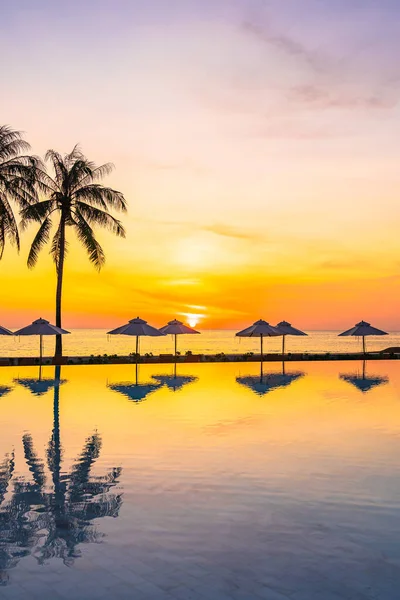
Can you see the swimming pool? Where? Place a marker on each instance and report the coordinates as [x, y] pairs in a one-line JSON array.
[[216, 481]]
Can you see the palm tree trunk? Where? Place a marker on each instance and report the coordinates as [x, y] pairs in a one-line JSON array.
[[60, 273]]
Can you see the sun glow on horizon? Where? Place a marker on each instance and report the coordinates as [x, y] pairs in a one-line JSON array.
[[193, 319]]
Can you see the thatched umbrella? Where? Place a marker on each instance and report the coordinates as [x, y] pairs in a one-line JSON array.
[[363, 329], [41, 327], [176, 328], [286, 329], [137, 328], [260, 329]]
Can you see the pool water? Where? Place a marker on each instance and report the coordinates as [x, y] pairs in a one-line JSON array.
[[214, 481]]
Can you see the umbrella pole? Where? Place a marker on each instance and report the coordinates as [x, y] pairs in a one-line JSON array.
[[175, 345], [137, 348], [283, 345], [364, 344], [262, 351], [41, 349]]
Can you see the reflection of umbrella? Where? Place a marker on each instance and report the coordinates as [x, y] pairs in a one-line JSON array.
[[137, 328], [260, 329], [39, 386], [4, 389], [175, 382], [285, 329], [362, 382], [134, 391], [41, 327], [176, 328], [266, 382], [362, 329], [4, 331]]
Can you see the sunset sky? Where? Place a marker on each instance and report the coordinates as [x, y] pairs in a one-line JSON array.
[[256, 142]]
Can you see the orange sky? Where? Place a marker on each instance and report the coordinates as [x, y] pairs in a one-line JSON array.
[[257, 148]]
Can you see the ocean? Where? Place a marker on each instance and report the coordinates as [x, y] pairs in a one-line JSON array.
[[85, 342]]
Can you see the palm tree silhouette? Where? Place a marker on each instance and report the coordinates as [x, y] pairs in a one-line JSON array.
[[17, 182], [61, 515], [79, 202]]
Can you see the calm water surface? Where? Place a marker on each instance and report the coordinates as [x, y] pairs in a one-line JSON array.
[[84, 342], [218, 481]]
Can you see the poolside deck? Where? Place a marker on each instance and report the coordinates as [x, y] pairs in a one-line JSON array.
[[199, 358]]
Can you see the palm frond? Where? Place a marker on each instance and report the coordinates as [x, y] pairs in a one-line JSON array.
[[95, 216], [11, 142], [44, 183], [86, 236], [40, 239], [98, 195], [60, 169], [75, 155], [17, 182], [36, 212], [8, 225], [97, 173], [56, 245]]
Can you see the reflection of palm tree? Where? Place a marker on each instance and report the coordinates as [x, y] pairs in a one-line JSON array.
[[16, 537], [60, 518]]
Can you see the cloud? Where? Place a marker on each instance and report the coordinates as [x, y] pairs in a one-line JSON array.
[[317, 96], [331, 81], [289, 46], [342, 265], [219, 229], [231, 232]]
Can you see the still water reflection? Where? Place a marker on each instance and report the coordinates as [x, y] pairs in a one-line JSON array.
[[51, 521], [362, 381], [174, 381], [5, 389], [140, 391], [204, 490], [268, 381], [39, 385]]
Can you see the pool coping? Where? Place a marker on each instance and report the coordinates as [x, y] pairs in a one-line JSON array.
[[195, 358]]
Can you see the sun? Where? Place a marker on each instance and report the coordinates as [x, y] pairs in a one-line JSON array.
[[192, 318]]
